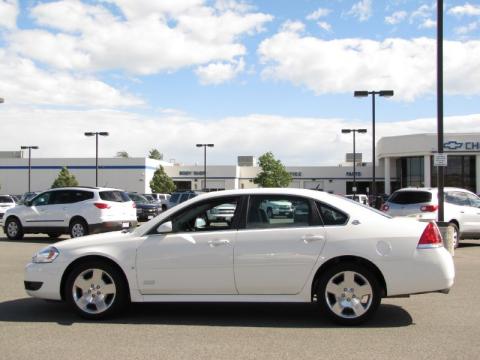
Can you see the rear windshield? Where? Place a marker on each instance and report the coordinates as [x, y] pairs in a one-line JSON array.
[[410, 197], [116, 196], [6, 199]]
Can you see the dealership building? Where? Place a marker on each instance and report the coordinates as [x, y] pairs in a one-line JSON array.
[[401, 161]]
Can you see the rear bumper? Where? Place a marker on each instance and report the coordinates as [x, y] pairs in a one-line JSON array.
[[111, 226], [432, 270]]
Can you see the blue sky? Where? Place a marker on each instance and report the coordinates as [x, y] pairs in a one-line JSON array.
[[252, 76]]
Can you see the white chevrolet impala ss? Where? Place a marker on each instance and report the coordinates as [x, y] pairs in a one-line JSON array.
[[332, 251]]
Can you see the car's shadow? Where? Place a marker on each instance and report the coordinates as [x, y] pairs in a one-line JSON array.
[[35, 240], [199, 314], [470, 243]]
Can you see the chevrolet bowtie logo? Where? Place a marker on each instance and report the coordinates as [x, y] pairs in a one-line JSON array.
[[452, 145]]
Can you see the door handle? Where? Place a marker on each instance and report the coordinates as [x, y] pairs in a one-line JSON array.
[[312, 238], [215, 243]]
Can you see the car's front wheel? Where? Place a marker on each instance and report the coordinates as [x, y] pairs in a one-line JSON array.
[[14, 229], [96, 290], [348, 293]]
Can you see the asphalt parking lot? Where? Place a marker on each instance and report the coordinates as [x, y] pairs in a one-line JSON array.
[[432, 326]]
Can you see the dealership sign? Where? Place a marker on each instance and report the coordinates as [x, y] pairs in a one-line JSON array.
[[454, 145]]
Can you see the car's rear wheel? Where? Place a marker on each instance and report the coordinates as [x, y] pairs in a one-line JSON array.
[[96, 290], [456, 235], [348, 293], [78, 227], [14, 229]]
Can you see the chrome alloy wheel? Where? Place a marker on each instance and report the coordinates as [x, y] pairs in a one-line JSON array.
[[94, 291], [78, 230], [348, 294], [12, 229], [455, 237]]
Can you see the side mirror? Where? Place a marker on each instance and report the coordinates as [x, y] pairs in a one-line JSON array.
[[165, 228]]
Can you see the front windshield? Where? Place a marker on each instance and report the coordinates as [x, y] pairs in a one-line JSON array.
[[138, 198]]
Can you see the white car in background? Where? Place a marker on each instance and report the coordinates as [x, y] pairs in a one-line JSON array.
[[77, 211], [6, 202], [461, 208], [341, 255]]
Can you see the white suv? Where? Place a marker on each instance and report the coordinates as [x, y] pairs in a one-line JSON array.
[[461, 209], [6, 202], [77, 211]]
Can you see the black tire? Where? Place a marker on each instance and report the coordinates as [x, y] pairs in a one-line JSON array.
[[110, 275], [78, 227], [344, 315], [13, 229], [456, 234], [164, 207]]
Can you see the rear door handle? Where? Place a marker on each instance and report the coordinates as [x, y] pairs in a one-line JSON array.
[[312, 238], [215, 243]]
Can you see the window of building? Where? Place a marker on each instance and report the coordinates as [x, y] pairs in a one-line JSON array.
[[460, 172], [411, 171]]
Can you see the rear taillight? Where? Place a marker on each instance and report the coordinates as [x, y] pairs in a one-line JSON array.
[[134, 205], [102, 206], [429, 208], [431, 237], [385, 207]]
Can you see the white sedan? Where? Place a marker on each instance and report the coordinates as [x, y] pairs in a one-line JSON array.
[[338, 253]]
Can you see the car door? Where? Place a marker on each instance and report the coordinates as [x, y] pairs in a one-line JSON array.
[[36, 213], [459, 208], [473, 211], [275, 255], [196, 257]]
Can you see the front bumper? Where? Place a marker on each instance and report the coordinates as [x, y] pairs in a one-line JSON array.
[[112, 226], [43, 280]]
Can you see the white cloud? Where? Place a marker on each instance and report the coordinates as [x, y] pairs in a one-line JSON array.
[[60, 133], [467, 9], [8, 13], [423, 12], [153, 36], [217, 73], [342, 66], [319, 13], [464, 30], [324, 25], [428, 24], [396, 18], [361, 10], [293, 26], [24, 83]]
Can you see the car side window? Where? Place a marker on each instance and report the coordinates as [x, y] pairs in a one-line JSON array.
[[277, 211], [474, 200], [42, 200], [331, 216], [60, 197], [213, 215]]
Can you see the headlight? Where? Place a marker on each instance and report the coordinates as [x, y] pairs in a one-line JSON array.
[[46, 255]]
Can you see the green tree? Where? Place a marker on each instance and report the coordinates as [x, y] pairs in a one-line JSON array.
[[161, 182], [64, 178], [122, 154], [155, 154], [273, 173]]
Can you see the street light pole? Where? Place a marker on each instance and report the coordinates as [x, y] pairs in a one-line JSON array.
[[348, 131], [29, 162], [96, 134], [383, 93], [440, 169], [205, 162]]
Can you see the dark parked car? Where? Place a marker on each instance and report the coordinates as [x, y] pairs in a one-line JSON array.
[[146, 210]]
